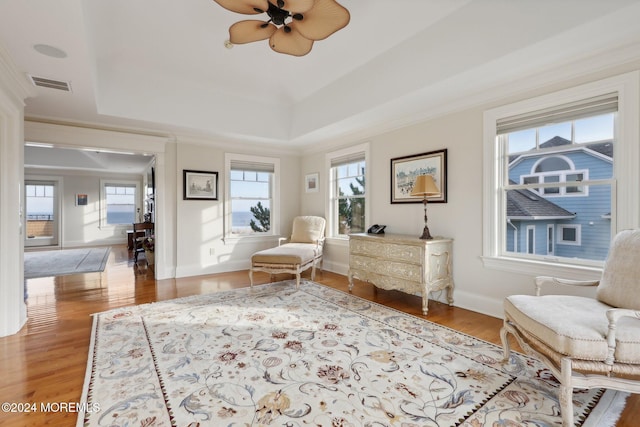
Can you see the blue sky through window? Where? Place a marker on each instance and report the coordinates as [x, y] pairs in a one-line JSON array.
[[590, 129]]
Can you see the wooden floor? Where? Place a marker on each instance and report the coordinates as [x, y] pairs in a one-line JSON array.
[[45, 363]]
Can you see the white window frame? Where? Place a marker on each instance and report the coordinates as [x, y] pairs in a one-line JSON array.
[[562, 178], [103, 201], [330, 212], [624, 192], [576, 227], [274, 229], [551, 244]]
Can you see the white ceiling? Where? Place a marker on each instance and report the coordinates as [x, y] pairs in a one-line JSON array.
[[93, 160], [161, 65]]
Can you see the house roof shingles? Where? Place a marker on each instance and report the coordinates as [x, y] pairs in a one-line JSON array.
[[525, 204]]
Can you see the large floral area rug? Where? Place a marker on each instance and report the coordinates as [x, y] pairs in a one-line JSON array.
[[312, 357]]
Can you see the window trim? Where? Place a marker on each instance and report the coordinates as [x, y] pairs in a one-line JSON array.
[[329, 211], [626, 209], [274, 230], [562, 182], [103, 201], [560, 240]]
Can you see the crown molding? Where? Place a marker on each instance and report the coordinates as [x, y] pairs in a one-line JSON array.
[[12, 80]]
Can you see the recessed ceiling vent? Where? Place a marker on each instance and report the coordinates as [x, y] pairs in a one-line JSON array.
[[52, 84]]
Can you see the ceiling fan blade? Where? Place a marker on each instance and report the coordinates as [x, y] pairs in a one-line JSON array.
[[291, 43], [250, 31], [295, 6], [247, 7], [323, 19]]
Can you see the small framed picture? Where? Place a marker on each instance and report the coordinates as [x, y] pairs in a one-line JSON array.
[[199, 185], [82, 199], [404, 171], [311, 184]]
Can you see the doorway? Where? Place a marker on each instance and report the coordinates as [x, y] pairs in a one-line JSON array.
[[42, 210]]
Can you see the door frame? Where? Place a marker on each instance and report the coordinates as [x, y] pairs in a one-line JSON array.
[[58, 208]]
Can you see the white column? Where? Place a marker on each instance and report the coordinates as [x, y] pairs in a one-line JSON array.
[[14, 88]]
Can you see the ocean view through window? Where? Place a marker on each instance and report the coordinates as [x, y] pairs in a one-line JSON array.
[[241, 221], [41, 211], [119, 203], [252, 205]]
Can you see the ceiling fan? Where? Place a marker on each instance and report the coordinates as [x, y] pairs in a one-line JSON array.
[[292, 25]]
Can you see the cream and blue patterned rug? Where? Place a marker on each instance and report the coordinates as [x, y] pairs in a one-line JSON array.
[[274, 356]]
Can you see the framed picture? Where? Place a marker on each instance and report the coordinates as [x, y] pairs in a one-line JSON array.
[[311, 183], [199, 185], [82, 199], [404, 171]]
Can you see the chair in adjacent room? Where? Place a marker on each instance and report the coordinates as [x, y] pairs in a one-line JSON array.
[[302, 251], [585, 342], [141, 230]]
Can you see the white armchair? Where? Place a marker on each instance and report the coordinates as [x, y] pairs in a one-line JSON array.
[[585, 342], [303, 251]]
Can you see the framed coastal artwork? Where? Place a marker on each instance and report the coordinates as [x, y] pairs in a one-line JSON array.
[[404, 171], [200, 185]]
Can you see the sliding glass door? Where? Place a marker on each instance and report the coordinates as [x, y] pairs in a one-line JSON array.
[[42, 213]]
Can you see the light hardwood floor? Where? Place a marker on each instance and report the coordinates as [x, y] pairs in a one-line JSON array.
[[45, 362]]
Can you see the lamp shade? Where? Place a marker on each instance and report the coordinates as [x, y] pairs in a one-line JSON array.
[[425, 186]]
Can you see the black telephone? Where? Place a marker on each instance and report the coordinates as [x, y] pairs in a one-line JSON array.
[[376, 229]]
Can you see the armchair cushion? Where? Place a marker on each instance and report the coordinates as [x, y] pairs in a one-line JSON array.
[[585, 342], [289, 253], [307, 229], [574, 326], [619, 283]]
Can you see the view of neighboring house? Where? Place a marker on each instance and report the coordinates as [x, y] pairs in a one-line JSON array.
[[572, 221]]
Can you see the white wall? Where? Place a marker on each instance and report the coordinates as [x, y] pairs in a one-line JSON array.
[[200, 247], [460, 217], [80, 225], [476, 287]]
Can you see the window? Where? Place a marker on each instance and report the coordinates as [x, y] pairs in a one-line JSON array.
[[550, 228], [119, 202], [252, 195], [40, 201], [531, 239], [569, 234], [348, 191], [561, 160], [557, 166], [559, 169]]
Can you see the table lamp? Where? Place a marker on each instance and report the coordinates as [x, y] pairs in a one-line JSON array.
[[425, 187]]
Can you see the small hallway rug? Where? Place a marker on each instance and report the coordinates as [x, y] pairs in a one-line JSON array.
[[66, 261], [274, 356]]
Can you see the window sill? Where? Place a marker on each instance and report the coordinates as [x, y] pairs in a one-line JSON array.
[[542, 268]]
